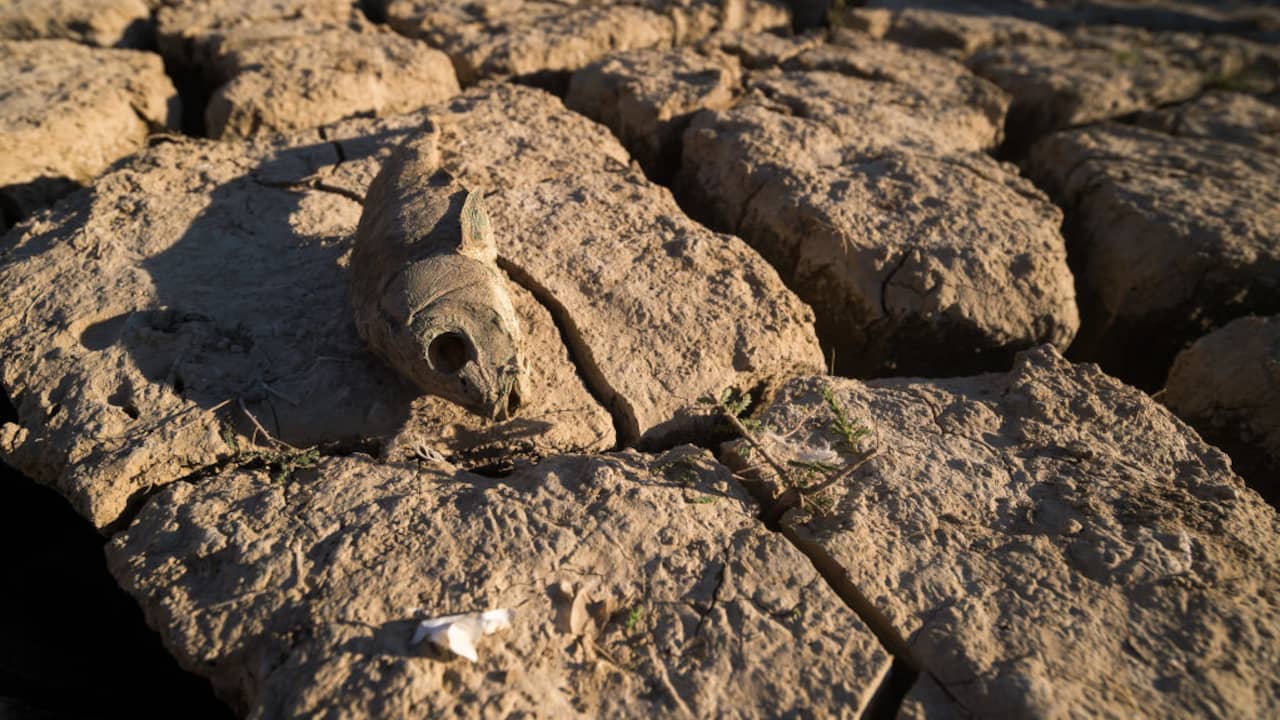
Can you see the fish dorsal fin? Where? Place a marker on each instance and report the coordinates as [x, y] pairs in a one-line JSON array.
[[477, 233]]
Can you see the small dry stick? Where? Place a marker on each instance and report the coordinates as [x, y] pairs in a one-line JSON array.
[[751, 438], [794, 493], [842, 473], [278, 394], [259, 429]]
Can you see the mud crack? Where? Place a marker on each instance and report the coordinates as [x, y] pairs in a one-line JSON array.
[[906, 669], [625, 425]]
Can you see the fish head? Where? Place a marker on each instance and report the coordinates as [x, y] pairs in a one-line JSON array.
[[472, 354]]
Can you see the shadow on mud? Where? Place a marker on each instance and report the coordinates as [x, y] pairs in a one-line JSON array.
[[255, 311], [72, 644]]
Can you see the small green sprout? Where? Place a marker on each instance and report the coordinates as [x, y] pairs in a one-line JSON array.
[[633, 617], [849, 430], [279, 456], [804, 481], [682, 470], [288, 462], [283, 459], [822, 502], [229, 438], [1247, 81], [1127, 57], [727, 402]]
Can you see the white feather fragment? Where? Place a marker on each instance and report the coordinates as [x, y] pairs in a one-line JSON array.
[[458, 633], [820, 452]]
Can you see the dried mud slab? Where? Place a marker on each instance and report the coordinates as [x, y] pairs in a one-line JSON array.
[[1242, 18], [285, 65], [1170, 237], [854, 167], [869, 92], [1044, 539], [879, 94], [200, 33], [207, 285], [505, 38], [1105, 73], [318, 78], [913, 264], [69, 111], [663, 310], [1227, 386], [103, 23], [1258, 21], [647, 97], [953, 32], [1218, 115], [217, 296], [642, 586]]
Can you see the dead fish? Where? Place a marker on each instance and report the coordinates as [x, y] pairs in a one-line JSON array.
[[428, 295]]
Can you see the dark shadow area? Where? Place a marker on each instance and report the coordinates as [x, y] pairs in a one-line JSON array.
[[555, 82], [373, 11], [1252, 463], [140, 34], [257, 315], [1024, 124], [20, 201], [8, 411], [72, 644], [888, 698], [1210, 17], [194, 91], [808, 14]]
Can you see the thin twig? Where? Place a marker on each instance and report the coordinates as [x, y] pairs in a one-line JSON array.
[[793, 493], [841, 474], [245, 409], [749, 469], [278, 394], [751, 438]]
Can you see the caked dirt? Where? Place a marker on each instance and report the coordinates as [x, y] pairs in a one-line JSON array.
[[990, 291]]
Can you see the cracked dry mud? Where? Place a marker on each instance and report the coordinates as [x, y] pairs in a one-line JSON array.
[[313, 587], [187, 316], [536, 39], [922, 188], [285, 66], [1047, 538], [68, 112], [102, 23], [1171, 237], [856, 168], [1227, 386]]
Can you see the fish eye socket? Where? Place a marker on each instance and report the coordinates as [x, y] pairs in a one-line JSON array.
[[448, 352]]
